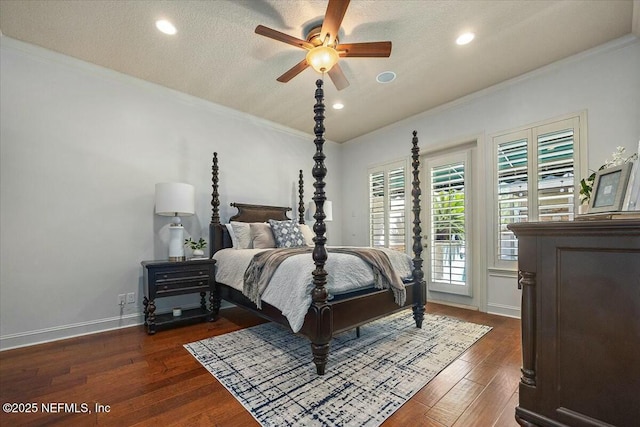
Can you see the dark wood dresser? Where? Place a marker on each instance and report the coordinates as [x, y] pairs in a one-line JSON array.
[[580, 323]]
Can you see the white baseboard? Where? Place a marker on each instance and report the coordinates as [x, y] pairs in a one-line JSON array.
[[453, 304], [504, 310], [40, 336]]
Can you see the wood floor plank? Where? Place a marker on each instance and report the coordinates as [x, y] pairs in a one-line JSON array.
[[491, 402], [153, 380], [442, 383], [455, 402], [507, 418], [412, 413]]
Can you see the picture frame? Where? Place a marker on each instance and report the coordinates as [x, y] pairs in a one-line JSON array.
[[632, 197], [609, 189]]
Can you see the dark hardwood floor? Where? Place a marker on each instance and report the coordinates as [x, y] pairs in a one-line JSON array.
[[152, 380]]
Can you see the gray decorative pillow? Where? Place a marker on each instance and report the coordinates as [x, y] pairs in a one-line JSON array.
[[287, 234]]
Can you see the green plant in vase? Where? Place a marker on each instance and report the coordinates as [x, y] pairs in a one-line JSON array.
[[196, 247], [586, 187]]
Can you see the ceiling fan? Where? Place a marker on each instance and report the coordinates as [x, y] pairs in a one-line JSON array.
[[324, 48]]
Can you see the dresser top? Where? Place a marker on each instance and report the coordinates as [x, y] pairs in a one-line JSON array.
[[623, 227]]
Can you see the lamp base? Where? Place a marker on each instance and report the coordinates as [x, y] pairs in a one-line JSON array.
[[176, 248]]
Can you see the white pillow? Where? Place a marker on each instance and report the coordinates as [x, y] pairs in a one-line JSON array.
[[234, 242], [307, 233], [242, 233]]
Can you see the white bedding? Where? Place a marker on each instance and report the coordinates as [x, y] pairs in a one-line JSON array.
[[291, 285]]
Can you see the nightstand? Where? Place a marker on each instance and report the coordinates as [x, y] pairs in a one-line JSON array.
[[167, 279]]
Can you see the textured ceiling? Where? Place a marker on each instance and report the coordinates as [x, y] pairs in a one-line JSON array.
[[217, 56]]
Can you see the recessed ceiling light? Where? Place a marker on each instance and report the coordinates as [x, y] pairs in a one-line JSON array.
[[465, 38], [166, 27], [386, 77], [338, 106]]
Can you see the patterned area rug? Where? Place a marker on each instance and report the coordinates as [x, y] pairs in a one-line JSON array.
[[270, 371]]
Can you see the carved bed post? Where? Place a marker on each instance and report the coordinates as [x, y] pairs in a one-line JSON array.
[[301, 198], [321, 310], [214, 297], [418, 275], [215, 196]]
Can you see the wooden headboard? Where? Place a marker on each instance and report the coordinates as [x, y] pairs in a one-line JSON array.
[[259, 213]]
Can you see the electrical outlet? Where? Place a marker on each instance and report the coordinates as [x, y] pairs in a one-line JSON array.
[[131, 297], [121, 299]]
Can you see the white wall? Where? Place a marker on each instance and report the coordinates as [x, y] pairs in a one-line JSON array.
[[81, 149], [605, 82]]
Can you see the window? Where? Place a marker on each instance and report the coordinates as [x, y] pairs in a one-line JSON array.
[[448, 203], [387, 214], [535, 171]]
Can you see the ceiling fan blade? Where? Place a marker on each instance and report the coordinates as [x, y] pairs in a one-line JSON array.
[[362, 50], [337, 77], [294, 71], [282, 37], [333, 19]]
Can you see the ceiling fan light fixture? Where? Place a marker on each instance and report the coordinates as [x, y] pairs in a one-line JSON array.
[[322, 58]]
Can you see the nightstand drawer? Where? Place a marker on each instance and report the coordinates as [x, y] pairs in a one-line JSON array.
[[164, 275], [163, 288]]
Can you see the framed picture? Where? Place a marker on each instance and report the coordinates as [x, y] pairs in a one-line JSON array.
[[609, 188], [632, 198]]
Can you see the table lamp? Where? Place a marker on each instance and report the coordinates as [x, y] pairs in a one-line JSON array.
[[175, 200]]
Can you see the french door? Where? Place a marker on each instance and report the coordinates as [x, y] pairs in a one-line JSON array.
[[448, 208]]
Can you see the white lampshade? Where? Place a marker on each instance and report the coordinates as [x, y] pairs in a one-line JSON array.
[[175, 199], [328, 210]]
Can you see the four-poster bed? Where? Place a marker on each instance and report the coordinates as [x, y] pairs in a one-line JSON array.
[[326, 315]]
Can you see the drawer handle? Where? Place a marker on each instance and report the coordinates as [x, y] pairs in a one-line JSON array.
[[201, 283], [200, 272], [164, 276], [165, 287]]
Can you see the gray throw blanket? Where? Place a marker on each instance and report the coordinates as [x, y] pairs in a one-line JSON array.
[[264, 264]]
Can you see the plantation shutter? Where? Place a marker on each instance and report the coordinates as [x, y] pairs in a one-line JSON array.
[[387, 224], [377, 210], [512, 194], [396, 209], [448, 237], [555, 176], [535, 175]]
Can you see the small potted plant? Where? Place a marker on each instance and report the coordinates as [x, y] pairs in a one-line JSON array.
[[196, 247], [586, 187]]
